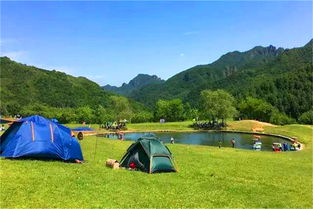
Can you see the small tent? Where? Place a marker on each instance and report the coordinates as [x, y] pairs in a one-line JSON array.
[[150, 155], [38, 137]]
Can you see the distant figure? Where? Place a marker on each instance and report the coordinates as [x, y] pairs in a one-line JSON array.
[[285, 146], [233, 142], [219, 143], [172, 140], [121, 136]]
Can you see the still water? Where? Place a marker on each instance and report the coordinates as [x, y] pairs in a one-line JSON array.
[[242, 141]]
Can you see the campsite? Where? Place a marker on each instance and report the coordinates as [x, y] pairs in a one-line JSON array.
[[156, 104], [206, 177]]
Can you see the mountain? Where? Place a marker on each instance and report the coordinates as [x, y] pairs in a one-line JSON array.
[[23, 85], [136, 83], [282, 77]]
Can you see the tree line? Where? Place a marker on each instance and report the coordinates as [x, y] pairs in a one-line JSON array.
[[215, 106]]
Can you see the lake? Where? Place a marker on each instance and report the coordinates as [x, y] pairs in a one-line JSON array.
[[242, 141]]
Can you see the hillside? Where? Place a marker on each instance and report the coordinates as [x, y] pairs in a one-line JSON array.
[[136, 83], [281, 77], [23, 85]]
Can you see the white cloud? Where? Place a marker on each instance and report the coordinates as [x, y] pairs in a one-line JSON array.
[[181, 54]]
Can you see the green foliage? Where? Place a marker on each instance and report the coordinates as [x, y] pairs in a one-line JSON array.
[[85, 114], [279, 118], [307, 117], [282, 78], [121, 108], [102, 115], [68, 116], [189, 112], [142, 117], [28, 90], [170, 110], [257, 109], [217, 105], [3, 110]]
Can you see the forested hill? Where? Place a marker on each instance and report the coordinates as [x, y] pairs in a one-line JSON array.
[[280, 77], [136, 83], [23, 85]]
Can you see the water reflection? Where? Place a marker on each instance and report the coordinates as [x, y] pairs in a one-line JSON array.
[[242, 141]]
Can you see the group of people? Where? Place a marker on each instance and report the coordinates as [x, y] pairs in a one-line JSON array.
[[207, 125], [114, 125], [278, 147]]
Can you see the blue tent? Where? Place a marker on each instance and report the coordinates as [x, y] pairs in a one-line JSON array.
[[82, 129], [38, 137]]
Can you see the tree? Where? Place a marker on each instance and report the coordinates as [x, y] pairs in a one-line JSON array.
[[307, 117], [68, 116], [217, 105], [257, 109], [84, 114], [121, 108], [142, 117], [279, 118], [3, 110], [102, 115], [170, 110]]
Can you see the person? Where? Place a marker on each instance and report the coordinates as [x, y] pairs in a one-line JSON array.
[[233, 142], [285, 146], [219, 143], [172, 140], [299, 146], [121, 136]]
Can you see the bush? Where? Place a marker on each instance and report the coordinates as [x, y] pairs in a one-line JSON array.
[[257, 109], [307, 117], [279, 118], [142, 117]]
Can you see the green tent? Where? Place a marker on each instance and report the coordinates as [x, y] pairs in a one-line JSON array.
[[150, 155]]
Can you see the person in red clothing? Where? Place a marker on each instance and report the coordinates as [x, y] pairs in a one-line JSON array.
[[132, 165]]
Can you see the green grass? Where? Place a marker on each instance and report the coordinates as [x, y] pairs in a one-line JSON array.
[[176, 126], [208, 177]]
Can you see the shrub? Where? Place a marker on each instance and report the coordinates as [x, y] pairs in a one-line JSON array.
[[279, 118], [307, 117], [142, 117]]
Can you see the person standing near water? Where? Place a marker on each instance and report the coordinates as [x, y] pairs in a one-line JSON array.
[[233, 142], [172, 140], [219, 143]]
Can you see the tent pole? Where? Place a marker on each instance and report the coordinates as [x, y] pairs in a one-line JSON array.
[[94, 157]]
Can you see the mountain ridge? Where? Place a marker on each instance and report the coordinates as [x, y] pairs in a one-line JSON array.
[[237, 72], [137, 82], [23, 85]]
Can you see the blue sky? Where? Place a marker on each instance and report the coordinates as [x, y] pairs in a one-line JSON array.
[[111, 42]]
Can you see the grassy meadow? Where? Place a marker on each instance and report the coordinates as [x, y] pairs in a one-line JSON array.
[[208, 176]]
